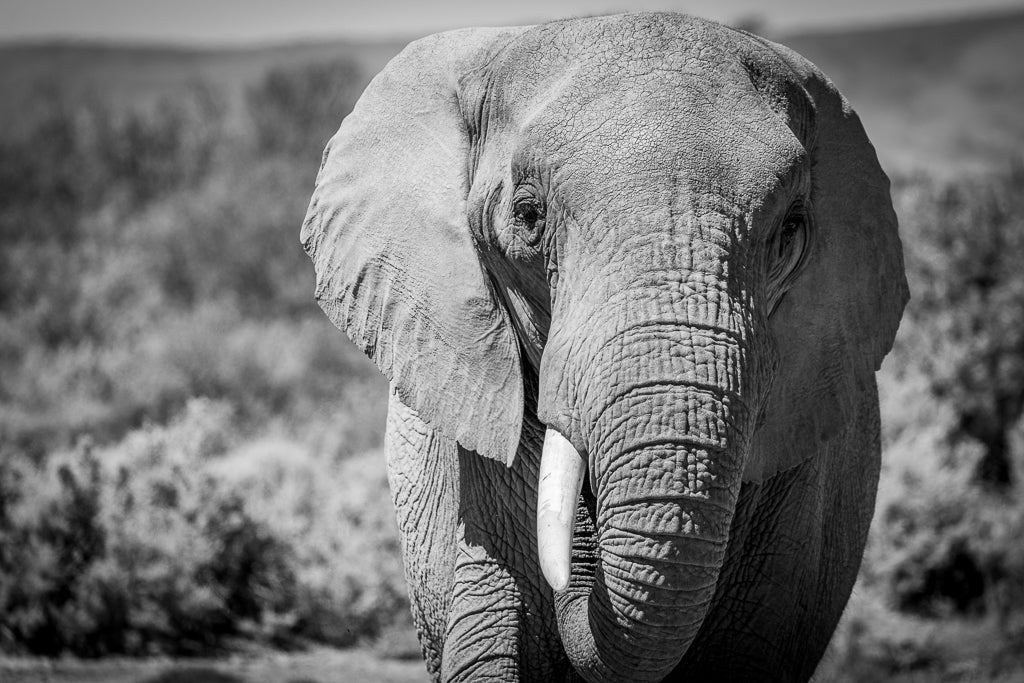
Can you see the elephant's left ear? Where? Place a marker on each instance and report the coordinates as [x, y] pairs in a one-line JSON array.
[[396, 267], [840, 317]]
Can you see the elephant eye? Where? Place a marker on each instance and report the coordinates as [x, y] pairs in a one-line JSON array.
[[529, 219], [526, 211], [788, 235], [786, 250]]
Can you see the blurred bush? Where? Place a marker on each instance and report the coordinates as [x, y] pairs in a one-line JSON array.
[[189, 452], [296, 109], [149, 257], [178, 540], [941, 590], [966, 324]]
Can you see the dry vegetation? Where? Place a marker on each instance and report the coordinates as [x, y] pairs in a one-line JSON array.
[[189, 453], [941, 590]]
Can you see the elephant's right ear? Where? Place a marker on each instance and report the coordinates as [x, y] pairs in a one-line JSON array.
[[840, 316], [396, 266]]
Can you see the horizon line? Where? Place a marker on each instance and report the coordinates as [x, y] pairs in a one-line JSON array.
[[373, 38]]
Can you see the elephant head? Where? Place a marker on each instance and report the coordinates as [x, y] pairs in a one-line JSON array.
[[680, 230]]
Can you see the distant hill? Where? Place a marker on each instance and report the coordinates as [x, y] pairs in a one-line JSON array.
[[134, 75], [932, 95], [941, 96]]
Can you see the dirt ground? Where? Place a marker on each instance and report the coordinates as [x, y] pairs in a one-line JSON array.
[[320, 666]]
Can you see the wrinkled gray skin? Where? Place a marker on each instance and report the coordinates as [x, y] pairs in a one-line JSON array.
[[672, 243]]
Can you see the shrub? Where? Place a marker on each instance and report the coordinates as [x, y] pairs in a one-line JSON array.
[[350, 580], [965, 324], [179, 540], [949, 508], [295, 110], [52, 535], [150, 258], [942, 584]]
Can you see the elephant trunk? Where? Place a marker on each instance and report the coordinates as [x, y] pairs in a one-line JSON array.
[[665, 459]]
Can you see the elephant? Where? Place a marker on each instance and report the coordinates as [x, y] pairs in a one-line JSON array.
[[630, 278]]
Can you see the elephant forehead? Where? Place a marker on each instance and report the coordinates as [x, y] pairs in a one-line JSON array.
[[644, 96], [630, 42]]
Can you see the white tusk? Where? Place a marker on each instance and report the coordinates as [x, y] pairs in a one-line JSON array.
[[558, 492]]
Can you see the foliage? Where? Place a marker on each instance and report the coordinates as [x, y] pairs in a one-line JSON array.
[[942, 584], [350, 574], [151, 257], [66, 186], [966, 324], [183, 280], [176, 540], [951, 504], [296, 109]]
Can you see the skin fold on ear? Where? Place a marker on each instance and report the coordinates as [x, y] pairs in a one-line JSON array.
[[396, 267], [839, 319]]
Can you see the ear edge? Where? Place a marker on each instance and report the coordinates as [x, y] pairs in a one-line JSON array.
[[824, 413], [355, 313]]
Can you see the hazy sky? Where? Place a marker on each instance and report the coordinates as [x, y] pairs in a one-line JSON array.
[[239, 21]]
